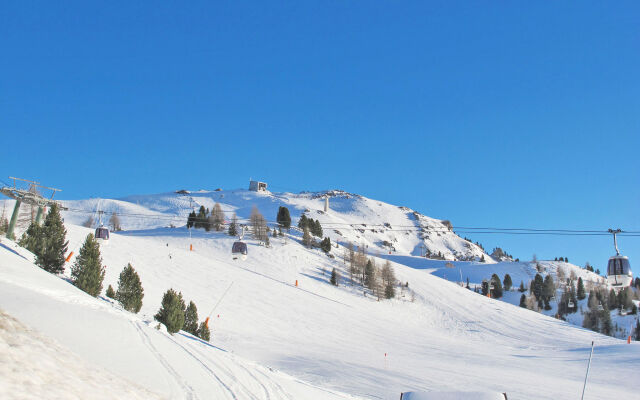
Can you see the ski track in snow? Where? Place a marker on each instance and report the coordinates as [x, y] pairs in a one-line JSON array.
[[186, 389], [209, 370]]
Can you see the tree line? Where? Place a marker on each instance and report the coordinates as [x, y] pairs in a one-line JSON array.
[[379, 281]]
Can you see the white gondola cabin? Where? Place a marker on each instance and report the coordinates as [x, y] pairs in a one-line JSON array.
[[239, 250], [619, 273], [102, 234]]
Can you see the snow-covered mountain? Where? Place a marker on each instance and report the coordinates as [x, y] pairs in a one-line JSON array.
[[283, 332], [380, 226]]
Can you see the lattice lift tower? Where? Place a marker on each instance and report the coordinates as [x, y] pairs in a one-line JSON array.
[[28, 196]]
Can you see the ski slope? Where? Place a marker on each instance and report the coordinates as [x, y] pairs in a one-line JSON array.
[[273, 338], [351, 218], [100, 351], [448, 338]]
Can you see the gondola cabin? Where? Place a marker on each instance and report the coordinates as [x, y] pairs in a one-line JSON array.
[[102, 234], [239, 251], [619, 273]]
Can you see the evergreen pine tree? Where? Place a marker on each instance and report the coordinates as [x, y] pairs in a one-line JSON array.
[[637, 329], [191, 319], [191, 220], [303, 222], [203, 332], [536, 288], [334, 277], [369, 275], [548, 288], [233, 226], [130, 292], [523, 301], [283, 218], [87, 272], [496, 293], [110, 292], [521, 289], [581, 293], [32, 239], [51, 257], [325, 245], [171, 313], [507, 282]]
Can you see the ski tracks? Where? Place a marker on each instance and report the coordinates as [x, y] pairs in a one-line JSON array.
[[184, 386], [238, 381], [270, 388]]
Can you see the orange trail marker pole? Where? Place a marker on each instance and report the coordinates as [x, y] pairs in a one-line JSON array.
[[296, 283], [69, 257], [206, 322], [190, 247]]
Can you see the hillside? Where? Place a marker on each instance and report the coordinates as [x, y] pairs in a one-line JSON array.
[[283, 331], [380, 226]]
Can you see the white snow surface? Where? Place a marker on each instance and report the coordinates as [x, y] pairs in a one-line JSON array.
[[452, 396], [112, 344], [35, 367], [351, 218], [312, 340]]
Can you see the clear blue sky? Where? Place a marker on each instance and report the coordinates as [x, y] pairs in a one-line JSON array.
[[488, 113]]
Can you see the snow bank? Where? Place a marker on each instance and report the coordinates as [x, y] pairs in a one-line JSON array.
[[451, 396], [35, 367]]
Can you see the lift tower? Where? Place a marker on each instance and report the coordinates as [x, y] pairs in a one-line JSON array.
[[28, 196]]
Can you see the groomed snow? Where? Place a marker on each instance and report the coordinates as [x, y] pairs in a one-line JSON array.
[[436, 336]]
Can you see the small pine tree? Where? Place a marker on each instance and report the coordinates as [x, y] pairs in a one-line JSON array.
[[496, 293], [637, 329], [507, 282], [581, 293], [130, 292], [191, 220], [523, 300], [521, 289], [325, 245], [303, 222], [32, 239], [283, 218], [51, 256], [110, 292], [233, 226], [203, 332], [87, 272], [171, 313], [548, 288], [316, 228], [369, 275], [334, 277], [191, 319]]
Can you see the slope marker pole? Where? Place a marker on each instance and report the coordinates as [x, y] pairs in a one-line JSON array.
[[587, 375], [206, 322]]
